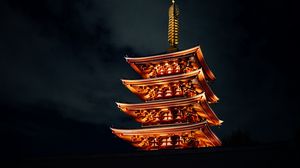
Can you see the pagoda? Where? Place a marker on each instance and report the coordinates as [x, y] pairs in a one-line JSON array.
[[175, 113]]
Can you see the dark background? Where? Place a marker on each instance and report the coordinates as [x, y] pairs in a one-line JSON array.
[[61, 62]]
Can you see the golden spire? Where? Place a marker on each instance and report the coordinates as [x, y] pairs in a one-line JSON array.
[[173, 33]]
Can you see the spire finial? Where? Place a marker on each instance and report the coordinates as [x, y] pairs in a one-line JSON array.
[[173, 33]]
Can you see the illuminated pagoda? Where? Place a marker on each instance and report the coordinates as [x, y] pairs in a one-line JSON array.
[[175, 112]]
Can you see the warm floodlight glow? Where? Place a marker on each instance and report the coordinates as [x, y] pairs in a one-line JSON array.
[[176, 111]]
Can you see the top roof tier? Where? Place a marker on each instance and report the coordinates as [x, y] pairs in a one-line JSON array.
[[173, 63]]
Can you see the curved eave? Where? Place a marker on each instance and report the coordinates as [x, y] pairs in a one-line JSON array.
[[212, 98], [211, 136], [200, 104], [162, 56], [206, 133], [159, 130], [205, 67], [159, 80], [209, 114], [162, 103], [168, 56]]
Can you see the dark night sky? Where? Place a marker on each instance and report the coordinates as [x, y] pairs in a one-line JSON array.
[[61, 62]]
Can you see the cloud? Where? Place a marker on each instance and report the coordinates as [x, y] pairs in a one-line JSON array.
[[68, 61]]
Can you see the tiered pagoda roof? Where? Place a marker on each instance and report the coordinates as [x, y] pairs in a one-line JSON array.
[[176, 103], [176, 110]]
